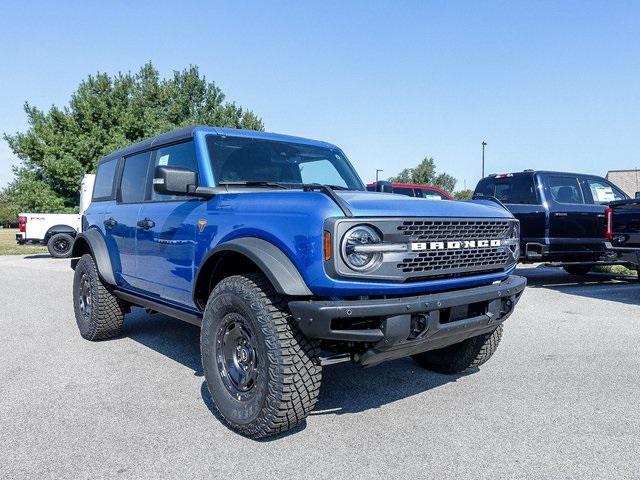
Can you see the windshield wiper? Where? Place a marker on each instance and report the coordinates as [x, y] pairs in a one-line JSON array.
[[254, 183]]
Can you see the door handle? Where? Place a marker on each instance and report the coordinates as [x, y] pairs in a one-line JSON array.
[[146, 224], [110, 222]]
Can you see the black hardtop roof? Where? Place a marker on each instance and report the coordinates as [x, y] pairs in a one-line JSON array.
[[188, 132], [148, 143]]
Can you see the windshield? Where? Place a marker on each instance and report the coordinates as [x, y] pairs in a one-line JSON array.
[[239, 160]]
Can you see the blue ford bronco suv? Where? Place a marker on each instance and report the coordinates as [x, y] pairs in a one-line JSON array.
[[273, 246]]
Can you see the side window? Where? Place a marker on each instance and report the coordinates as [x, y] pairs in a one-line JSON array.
[[105, 174], [603, 192], [134, 178], [180, 155], [428, 194], [404, 191], [565, 189]]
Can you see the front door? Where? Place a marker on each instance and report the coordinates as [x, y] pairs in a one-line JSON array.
[[167, 233]]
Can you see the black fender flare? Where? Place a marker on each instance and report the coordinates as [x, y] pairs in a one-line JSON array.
[[62, 228], [281, 272], [95, 242]]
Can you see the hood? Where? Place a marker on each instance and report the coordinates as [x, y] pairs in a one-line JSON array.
[[377, 204]]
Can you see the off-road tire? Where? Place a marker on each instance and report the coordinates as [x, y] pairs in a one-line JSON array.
[[288, 368], [578, 270], [54, 243], [466, 355], [105, 317]]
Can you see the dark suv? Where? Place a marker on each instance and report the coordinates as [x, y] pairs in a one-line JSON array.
[[562, 215], [273, 246]]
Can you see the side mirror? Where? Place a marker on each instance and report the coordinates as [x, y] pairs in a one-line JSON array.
[[384, 186], [637, 194], [174, 180]]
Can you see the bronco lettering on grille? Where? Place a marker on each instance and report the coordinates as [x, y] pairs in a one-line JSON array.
[[455, 245]]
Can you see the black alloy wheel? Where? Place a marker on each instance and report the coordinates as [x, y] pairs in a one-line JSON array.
[[237, 356]]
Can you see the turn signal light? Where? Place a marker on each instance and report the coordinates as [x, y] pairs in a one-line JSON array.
[[327, 246]]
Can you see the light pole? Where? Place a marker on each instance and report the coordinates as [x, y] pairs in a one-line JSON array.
[[377, 172], [484, 144]]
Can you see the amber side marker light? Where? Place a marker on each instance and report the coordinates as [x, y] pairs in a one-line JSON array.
[[327, 246]]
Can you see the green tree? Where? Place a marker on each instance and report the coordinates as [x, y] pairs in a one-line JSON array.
[[463, 194], [425, 173], [8, 210], [106, 113]]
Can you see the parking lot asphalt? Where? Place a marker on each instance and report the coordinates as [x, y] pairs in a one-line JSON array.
[[559, 399]]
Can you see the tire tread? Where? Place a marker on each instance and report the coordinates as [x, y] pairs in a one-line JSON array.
[[295, 373], [108, 311]]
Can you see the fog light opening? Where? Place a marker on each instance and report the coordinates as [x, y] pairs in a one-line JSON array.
[[419, 325]]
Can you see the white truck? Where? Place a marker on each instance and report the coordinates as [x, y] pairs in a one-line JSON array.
[[55, 230]]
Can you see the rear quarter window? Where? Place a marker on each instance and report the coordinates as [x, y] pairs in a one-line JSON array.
[[518, 189], [105, 176]]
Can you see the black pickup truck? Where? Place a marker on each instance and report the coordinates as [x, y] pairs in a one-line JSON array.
[[562, 215], [623, 230]]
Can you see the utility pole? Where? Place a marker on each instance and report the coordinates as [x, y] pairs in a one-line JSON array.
[[377, 172], [484, 144]]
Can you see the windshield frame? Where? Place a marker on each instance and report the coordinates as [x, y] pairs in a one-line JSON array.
[[211, 152]]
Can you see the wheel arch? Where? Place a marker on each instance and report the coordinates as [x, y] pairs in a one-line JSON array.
[[93, 243], [244, 255], [61, 228]]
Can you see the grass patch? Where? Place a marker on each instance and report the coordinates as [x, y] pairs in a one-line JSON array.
[[8, 245], [614, 270]]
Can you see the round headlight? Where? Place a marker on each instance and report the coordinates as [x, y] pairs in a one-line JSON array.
[[515, 237], [356, 258]]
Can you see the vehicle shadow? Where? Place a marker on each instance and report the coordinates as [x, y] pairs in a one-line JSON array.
[[346, 388], [601, 286], [38, 256]]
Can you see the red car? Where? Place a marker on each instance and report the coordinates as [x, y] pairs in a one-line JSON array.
[[430, 192]]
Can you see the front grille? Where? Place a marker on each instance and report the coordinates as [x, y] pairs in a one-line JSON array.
[[450, 262], [441, 260], [425, 248], [443, 230]]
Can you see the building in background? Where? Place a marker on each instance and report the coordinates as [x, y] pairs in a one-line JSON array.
[[627, 180]]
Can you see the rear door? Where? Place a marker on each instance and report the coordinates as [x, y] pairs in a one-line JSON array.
[[572, 216], [120, 222]]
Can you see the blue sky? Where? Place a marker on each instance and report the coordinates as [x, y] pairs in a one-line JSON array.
[[550, 85]]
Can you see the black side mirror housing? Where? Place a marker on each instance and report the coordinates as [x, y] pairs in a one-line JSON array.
[[637, 194], [174, 180]]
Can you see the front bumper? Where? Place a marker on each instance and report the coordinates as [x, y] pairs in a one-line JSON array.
[[399, 327]]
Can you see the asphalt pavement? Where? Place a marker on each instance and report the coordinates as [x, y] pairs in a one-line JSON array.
[[560, 398]]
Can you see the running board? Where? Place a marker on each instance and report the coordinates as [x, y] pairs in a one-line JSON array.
[[160, 307]]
